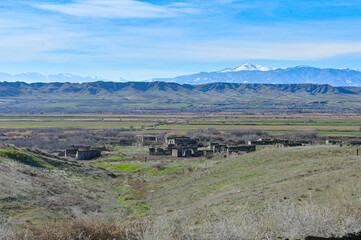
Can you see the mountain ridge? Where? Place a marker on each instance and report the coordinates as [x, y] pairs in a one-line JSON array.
[[167, 97], [254, 73], [32, 77], [101, 88], [246, 73]]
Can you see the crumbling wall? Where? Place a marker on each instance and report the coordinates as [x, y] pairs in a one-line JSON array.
[[87, 154], [70, 152]]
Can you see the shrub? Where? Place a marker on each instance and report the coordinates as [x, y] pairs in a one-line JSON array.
[[283, 220], [79, 229], [5, 232]]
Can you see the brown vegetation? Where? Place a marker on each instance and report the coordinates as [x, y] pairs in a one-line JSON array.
[[77, 228], [280, 221]]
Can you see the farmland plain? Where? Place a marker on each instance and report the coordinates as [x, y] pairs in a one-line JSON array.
[[323, 124]]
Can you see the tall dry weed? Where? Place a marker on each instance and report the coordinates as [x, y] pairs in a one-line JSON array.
[[274, 221]]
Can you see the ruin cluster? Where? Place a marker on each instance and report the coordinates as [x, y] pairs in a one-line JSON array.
[[186, 147]]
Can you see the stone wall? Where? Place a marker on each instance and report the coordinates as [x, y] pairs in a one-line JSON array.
[[87, 154]]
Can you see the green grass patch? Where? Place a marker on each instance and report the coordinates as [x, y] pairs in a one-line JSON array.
[[341, 133], [122, 167], [73, 124], [147, 105], [113, 158], [133, 207], [23, 158], [167, 170], [58, 105]]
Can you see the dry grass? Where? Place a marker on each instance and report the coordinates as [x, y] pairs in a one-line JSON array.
[[292, 193], [77, 228], [285, 221], [18, 133], [5, 231]]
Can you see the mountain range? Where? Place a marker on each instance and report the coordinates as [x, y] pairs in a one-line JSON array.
[[132, 89], [166, 97], [31, 77], [253, 73], [247, 73]]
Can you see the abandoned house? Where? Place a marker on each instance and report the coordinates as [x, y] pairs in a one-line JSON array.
[[126, 143], [82, 153], [217, 147], [149, 139], [160, 151], [236, 149], [288, 144], [180, 141], [231, 147], [87, 154], [355, 143], [70, 153], [187, 152], [187, 147]]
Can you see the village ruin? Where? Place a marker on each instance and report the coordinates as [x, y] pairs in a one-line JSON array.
[[187, 147], [83, 153]]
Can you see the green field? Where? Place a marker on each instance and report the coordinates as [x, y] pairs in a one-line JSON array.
[[73, 124], [275, 124]]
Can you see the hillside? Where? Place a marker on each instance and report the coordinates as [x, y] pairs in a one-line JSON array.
[[253, 73], [35, 186], [267, 191], [133, 97], [272, 193], [115, 89]]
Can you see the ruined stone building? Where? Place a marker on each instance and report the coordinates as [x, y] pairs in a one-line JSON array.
[[82, 153], [180, 141], [160, 151], [231, 147], [149, 139], [126, 142], [236, 149], [187, 152]]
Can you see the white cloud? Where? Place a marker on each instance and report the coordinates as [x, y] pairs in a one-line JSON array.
[[251, 50], [115, 9]]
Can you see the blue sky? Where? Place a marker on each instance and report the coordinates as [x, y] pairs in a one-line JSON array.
[[140, 40]]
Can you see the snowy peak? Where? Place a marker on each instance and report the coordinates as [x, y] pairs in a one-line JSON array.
[[246, 67], [254, 73]]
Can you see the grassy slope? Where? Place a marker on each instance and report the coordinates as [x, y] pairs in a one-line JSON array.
[[35, 186], [322, 175], [157, 97], [191, 190]]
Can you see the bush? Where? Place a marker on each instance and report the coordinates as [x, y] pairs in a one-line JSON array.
[[284, 220], [5, 232], [79, 229], [247, 134]]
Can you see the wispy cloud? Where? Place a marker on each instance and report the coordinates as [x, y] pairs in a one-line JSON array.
[[116, 9], [156, 37]]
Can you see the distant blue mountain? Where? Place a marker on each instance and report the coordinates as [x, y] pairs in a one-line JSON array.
[[32, 77], [253, 73]]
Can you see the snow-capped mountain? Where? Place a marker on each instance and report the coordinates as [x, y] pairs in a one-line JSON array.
[[246, 67], [31, 77], [253, 73]]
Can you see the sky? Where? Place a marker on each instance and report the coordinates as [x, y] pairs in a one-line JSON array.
[[140, 40]]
